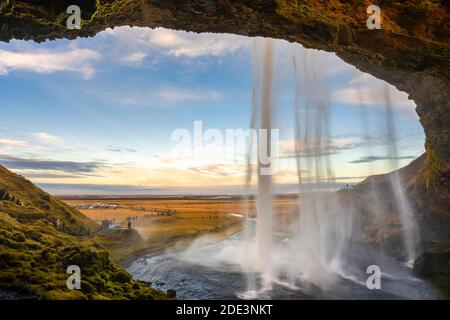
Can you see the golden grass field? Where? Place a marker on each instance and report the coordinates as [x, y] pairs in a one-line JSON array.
[[191, 218]]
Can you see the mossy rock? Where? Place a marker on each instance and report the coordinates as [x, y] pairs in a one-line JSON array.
[[41, 272], [88, 288], [121, 276], [434, 265]]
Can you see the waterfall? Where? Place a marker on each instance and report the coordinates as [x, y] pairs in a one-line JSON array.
[[324, 227], [317, 245], [262, 119], [409, 226]]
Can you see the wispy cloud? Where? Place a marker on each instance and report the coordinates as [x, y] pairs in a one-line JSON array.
[[364, 89], [46, 137], [311, 148], [134, 57], [218, 170], [46, 61], [13, 143], [62, 166], [378, 158], [156, 97], [362, 78], [120, 149], [176, 94], [47, 175], [371, 96], [174, 43]]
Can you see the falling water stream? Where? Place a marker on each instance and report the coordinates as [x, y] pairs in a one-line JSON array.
[[318, 255], [264, 206], [410, 233]]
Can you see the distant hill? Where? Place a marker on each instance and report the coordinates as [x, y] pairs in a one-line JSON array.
[[24, 201], [374, 201]]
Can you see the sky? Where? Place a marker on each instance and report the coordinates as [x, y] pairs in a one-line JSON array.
[[97, 115]]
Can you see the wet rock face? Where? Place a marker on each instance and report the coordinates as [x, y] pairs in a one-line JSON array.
[[171, 294], [434, 266], [410, 51]]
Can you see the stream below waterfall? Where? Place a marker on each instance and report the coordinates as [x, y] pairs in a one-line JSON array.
[[217, 271]]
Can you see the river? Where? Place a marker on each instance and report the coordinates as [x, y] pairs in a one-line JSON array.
[[218, 271]]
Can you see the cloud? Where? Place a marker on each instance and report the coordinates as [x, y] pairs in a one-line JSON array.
[[371, 96], [218, 170], [45, 61], [120, 150], [62, 166], [362, 78], [46, 137], [157, 97], [376, 158], [45, 175], [176, 94], [135, 57], [180, 43], [364, 89], [176, 43], [336, 145], [13, 143], [312, 148]]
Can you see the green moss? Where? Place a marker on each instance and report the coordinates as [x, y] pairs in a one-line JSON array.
[[121, 276], [35, 204], [42, 272], [434, 265], [432, 166], [105, 9], [305, 13]]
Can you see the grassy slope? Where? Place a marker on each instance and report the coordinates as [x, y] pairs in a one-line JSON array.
[[34, 255], [38, 204]]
